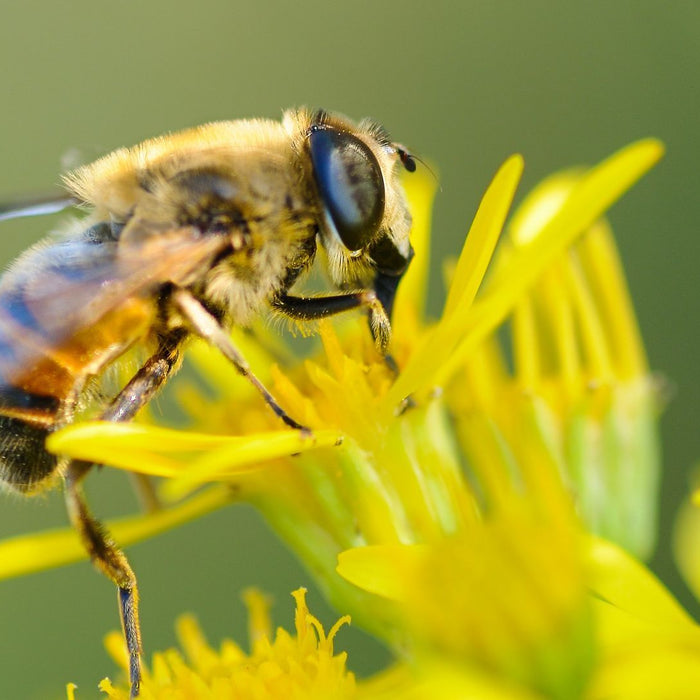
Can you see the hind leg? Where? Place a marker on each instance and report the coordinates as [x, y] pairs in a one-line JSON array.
[[104, 552], [110, 560]]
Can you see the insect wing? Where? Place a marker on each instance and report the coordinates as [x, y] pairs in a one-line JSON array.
[[60, 293], [36, 206]]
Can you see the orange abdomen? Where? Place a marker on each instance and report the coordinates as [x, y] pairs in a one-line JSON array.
[[43, 371]]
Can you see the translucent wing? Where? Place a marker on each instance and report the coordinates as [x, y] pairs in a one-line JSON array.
[[36, 206], [57, 291]]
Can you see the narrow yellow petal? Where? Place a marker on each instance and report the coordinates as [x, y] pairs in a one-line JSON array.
[[133, 436], [146, 449], [589, 199], [445, 350], [132, 446], [526, 346], [410, 300], [483, 235], [564, 338], [45, 550], [115, 646], [200, 655], [593, 338], [245, 454], [471, 268], [259, 620], [614, 303]]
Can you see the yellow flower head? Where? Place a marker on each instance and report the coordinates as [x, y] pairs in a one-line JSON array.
[[296, 667], [445, 490]]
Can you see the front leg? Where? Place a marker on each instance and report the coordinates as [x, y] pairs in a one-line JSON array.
[[312, 308], [208, 327]]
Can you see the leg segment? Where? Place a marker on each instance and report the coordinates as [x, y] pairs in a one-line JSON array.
[[110, 560], [309, 308], [147, 381], [104, 552], [206, 326], [141, 388]]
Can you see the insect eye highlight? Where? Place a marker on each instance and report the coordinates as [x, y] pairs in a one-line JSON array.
[[350, 185]]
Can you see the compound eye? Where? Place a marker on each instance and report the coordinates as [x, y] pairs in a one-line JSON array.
[[350, 184]]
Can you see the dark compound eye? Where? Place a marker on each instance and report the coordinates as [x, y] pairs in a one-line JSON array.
[[350, 184]]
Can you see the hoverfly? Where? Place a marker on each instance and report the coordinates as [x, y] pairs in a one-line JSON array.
[[188, 235]]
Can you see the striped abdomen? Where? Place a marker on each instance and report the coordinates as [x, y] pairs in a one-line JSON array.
[[51, 342]]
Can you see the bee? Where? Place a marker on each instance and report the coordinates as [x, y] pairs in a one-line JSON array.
[[187, 235]]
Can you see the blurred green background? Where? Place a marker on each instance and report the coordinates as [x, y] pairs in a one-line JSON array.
[[463, 84]]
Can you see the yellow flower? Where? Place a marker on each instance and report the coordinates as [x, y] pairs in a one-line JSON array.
[[299, 666], [295, 667], [445, 491]]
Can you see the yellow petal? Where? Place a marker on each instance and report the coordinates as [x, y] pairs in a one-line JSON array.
[[412, 293], [648, 647], [597, 190], [483, 235], [245, 454], [382, 569], [473, 261], [30, 553], [620, 580], [134, 436], [146, 449], [455, 337]]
